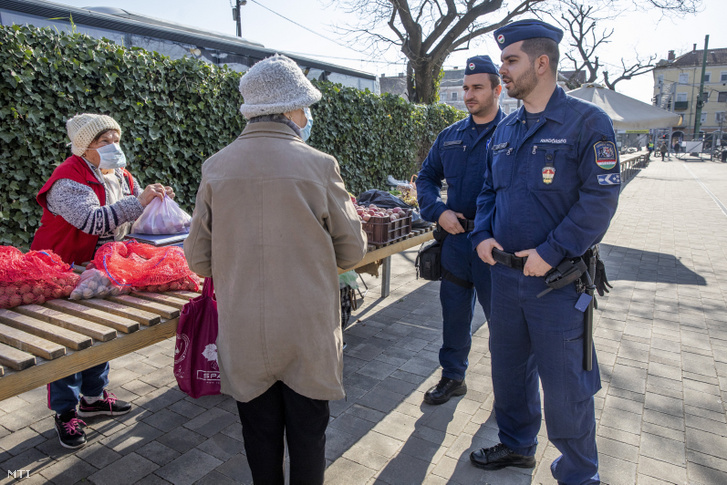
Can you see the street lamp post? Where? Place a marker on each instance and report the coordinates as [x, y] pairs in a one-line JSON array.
[[237, 16], [700, 96]]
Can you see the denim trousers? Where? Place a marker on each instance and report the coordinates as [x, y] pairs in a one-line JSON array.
[[64, 394]]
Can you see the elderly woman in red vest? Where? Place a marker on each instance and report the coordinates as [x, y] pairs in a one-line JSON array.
[[89, 200]]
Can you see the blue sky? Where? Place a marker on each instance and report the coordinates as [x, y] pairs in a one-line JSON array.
[[642, 33]]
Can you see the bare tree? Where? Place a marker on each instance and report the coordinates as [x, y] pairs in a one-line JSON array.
[[669, 6], [640, 67], [427, 31], [581, 22]]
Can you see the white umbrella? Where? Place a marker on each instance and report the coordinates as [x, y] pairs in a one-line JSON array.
[[627, 113]]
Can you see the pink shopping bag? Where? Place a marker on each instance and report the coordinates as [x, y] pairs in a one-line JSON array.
[[195, 354]]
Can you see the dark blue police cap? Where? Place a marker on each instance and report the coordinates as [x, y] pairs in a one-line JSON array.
[[526, 29], [480, 65]]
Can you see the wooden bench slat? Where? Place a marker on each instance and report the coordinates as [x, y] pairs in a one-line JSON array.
[[100, 333], [39, 328], [14, 383], [165, 311], [183, 294], [119, 323], [14, 358], [141, 316], [30, 343], [160, 298]]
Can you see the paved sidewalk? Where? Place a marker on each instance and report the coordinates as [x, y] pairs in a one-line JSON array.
[[661, 338]]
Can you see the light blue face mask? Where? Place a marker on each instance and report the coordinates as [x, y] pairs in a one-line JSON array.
[[111, 156], [305, 131]]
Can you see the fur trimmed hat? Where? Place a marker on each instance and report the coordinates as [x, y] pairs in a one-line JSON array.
[[275, 85], [83, 128]]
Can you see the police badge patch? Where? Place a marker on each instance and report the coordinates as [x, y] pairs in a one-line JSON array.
[[605, 154], [548, 174]]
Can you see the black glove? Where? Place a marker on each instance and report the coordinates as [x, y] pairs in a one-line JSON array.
[[601, 281]]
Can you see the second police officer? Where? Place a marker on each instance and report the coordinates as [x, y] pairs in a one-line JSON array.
[[551, 188], [458, 155]]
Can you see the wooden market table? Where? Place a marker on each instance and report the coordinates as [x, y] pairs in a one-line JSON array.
[[43, 343], [384, 252]]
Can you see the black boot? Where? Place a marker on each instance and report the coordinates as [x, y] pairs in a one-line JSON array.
[[500, 456], [444, 390]]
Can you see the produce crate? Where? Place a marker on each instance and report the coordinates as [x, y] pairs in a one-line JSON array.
[[381, 230]]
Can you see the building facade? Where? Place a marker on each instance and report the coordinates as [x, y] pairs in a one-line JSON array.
[[676, 88]]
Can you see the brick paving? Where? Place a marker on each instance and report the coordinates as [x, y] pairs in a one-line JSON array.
[[661, 339]]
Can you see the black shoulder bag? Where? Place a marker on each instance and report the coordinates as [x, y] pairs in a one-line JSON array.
[[429, 259]]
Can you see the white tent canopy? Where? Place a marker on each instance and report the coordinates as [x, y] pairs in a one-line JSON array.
[[627, 113]]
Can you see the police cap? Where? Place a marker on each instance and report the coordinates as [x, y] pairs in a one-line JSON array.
[[480, 65], [526, 29]]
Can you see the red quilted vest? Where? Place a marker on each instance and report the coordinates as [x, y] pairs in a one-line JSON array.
[[55, 233]]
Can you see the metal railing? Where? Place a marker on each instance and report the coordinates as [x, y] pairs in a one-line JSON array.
[[631, 164]]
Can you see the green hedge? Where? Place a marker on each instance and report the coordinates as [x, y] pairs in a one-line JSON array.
[[174, 114]]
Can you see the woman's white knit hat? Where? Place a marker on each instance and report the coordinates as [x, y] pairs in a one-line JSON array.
[[275, 85], [83, 128]]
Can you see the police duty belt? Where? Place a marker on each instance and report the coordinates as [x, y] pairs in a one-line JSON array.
[[509, 259]]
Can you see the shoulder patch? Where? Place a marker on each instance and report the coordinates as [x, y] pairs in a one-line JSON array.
[[609, 179], [605, 154]]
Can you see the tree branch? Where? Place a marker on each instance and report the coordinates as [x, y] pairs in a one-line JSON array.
[[630, 72]]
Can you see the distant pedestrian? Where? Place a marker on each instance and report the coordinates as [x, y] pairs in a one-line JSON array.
[[650, 148], [663, 149], [676, 146]]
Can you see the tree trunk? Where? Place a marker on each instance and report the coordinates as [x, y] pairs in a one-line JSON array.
[[422, 83]]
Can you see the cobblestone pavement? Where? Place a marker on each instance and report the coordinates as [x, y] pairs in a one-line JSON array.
[[661, 338]]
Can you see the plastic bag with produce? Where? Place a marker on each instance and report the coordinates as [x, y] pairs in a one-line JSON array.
[[162, 216], [94, 284]]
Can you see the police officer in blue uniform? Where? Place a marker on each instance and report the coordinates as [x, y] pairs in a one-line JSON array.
[[551, 188], [458, 155]]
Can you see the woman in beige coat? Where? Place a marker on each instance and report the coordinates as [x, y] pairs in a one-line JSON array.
[[271, 224]]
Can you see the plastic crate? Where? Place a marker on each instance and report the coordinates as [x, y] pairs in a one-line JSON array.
[[381, 230]]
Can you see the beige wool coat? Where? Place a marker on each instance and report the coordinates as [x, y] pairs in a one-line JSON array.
[[271, 223]]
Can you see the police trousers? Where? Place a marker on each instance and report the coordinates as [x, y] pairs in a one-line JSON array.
[[458, 302], [534, 339]]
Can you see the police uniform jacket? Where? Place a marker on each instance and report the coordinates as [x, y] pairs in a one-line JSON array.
[[553, 185], [458, 155]]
